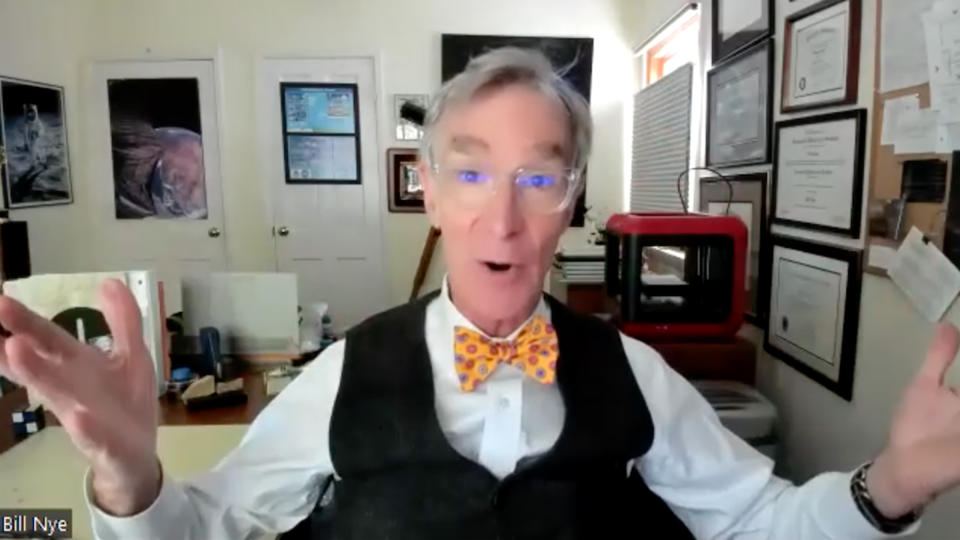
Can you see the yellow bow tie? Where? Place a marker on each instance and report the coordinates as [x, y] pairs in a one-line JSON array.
[[534, 351]]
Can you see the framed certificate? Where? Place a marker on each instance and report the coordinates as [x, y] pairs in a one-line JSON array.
[[821, 56], [739, 108], [746, 198], [818, 172], [814, 310], [738, 24], [321, 133]]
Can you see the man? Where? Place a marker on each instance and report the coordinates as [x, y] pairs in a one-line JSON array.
[[487, 411]]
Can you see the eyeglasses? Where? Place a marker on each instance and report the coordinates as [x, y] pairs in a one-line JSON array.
[[542, 190]]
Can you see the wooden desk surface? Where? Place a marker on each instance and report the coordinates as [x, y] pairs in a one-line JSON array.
[[174, 413]]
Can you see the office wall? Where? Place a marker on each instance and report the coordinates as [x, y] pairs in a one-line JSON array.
[[39, 41], [820, 431], [65, 36]]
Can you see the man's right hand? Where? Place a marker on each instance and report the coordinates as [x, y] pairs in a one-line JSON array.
[[107, 403]]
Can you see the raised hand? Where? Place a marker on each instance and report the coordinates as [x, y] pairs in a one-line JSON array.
[[922, 458], [106, 403]]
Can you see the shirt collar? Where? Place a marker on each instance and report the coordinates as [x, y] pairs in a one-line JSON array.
[[455, 318]]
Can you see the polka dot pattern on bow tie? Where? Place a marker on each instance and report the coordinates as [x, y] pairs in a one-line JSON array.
[[534, 351]]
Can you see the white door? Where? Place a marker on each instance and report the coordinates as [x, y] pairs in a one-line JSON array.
[[328, 234], [156, 169]]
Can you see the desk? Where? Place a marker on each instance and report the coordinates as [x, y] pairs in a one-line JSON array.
[[44, 471], [174, 413]]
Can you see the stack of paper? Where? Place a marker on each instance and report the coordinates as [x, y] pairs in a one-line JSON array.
[[582, 265]]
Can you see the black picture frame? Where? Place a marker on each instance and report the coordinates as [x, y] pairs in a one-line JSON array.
[[723, 48], [20, 172], [400, 200], [748, 188], [842, 384], [851, 77], [287, 134], [731, 69], [852, 229]]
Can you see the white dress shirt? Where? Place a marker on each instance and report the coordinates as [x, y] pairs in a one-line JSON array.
[[714, 482]]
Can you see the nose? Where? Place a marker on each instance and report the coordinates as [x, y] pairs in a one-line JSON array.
[[503, 216]]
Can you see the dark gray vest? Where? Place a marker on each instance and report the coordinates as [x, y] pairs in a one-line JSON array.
[[401, 479]]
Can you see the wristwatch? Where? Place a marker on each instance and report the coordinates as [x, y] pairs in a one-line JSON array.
[[861, 496]]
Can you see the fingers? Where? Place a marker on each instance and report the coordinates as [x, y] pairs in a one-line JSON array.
[[4, 366], [943, 349], [42, 375], [49, 337], [122, 314]]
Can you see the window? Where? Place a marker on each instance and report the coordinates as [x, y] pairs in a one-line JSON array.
[[674, 46], [666, 107]]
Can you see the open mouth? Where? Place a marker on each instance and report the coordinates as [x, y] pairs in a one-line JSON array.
[[498, 267]]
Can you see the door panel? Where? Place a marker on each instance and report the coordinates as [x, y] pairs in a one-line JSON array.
[[332, 237], [167, 237]]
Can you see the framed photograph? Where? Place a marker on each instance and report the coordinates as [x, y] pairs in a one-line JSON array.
[[321, 133], [405, 129], [34, 156], [738, 24], [818, 172], [404, 187], [740, 108], [814, 310], [156, 145], [746, 198], [821, 56]]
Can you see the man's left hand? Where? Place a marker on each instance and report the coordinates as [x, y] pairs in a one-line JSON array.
[[922, 458]]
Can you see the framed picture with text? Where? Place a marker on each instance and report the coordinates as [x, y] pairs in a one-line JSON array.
[[821, 56], [740, 108], [818, 172], [738, 24], [814, 310]]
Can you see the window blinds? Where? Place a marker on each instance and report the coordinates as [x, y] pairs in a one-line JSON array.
[[661, 142]]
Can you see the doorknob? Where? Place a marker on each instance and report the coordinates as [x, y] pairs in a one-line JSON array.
[[213, 232], [283, 231]]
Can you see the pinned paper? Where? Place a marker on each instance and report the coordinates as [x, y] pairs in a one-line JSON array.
[[917, 132], [892, 110], [925, 275], [903, 61]]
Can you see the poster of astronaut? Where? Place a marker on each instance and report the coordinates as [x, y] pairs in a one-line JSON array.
[[33, 145], [157, 148]]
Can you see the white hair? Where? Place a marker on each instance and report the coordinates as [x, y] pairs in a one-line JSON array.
[[507, 66]]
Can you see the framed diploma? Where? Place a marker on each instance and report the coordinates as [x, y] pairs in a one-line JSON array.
[[746, 198], [739, 108], [738, 24], [814, 310], [818, 172], [821, 56]]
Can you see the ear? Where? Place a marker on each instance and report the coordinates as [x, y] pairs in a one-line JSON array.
[[429, 184]]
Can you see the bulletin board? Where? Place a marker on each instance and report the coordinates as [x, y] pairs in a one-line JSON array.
[[886, 167]]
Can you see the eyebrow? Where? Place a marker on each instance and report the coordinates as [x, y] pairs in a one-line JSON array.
[[550, 150], [466, 143]]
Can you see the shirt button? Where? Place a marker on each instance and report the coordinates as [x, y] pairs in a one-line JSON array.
[[504, 403]]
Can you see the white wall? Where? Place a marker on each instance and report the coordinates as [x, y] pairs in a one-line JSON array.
[[56, 232], [820, 431], [55, 42]]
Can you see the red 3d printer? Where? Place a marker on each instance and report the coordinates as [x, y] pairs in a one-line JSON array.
[[677, 276]]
